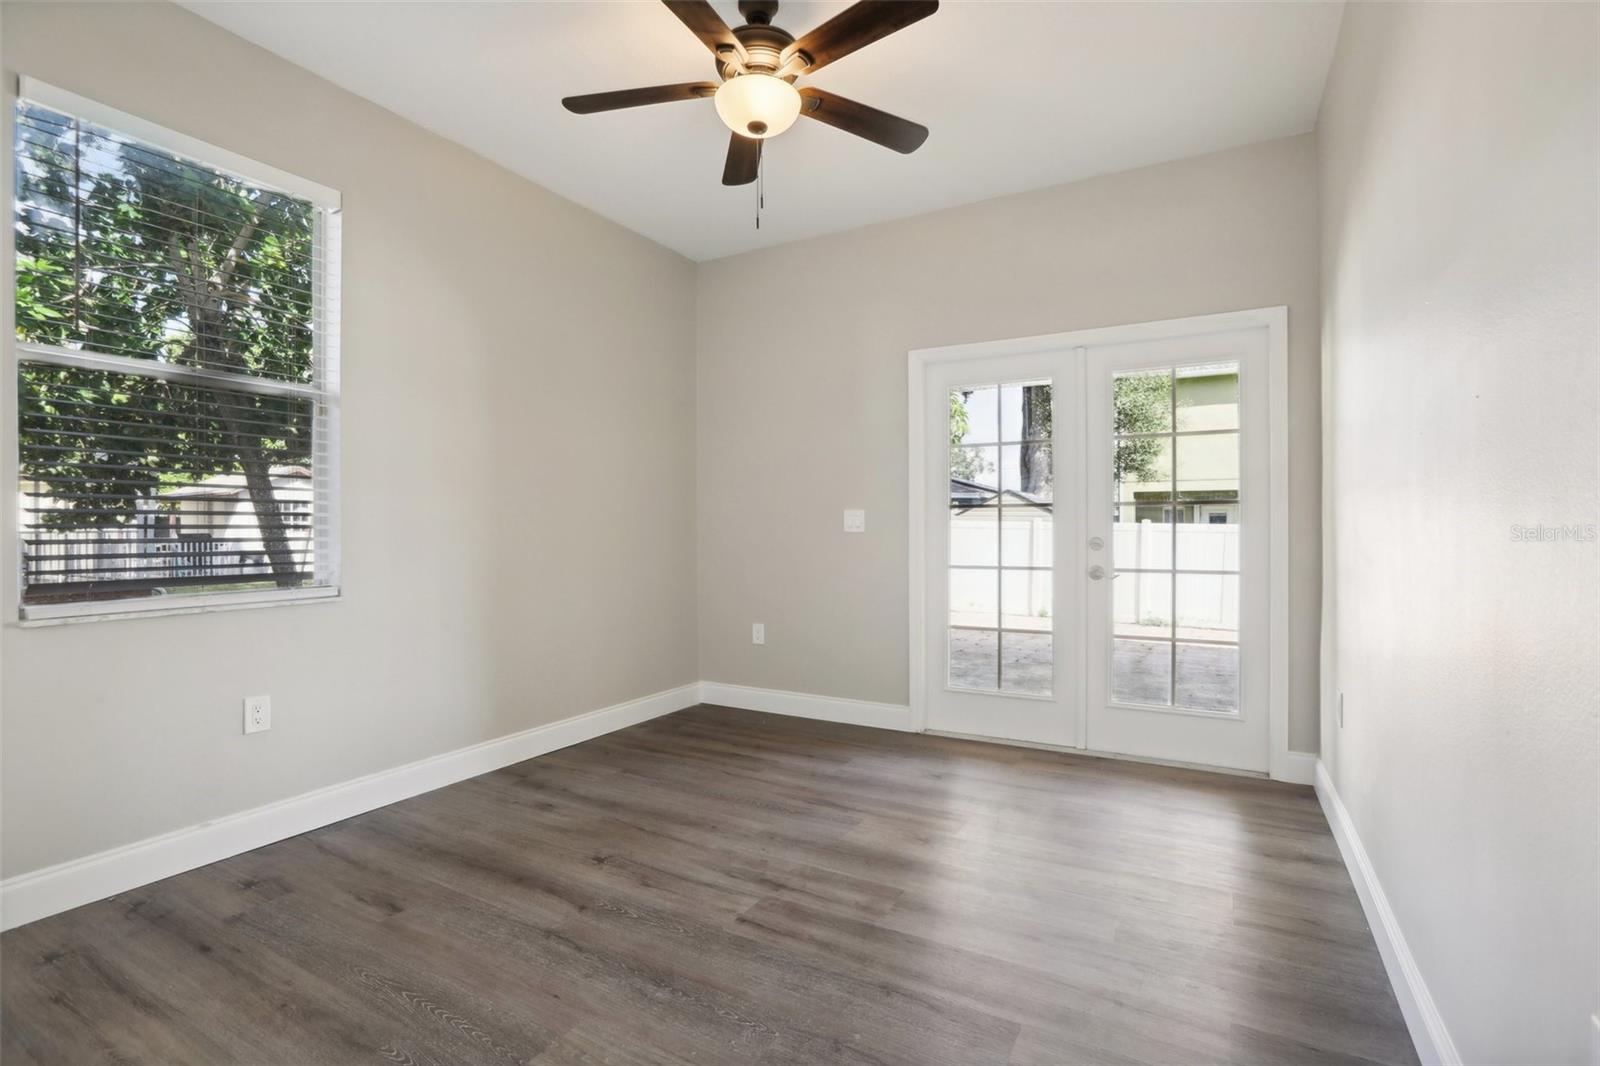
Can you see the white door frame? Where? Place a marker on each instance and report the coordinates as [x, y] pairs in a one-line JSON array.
[[1283, 765]]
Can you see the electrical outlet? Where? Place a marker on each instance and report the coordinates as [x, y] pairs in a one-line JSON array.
[[855, 521], [758, 633], [1341, 710], [257, 714]]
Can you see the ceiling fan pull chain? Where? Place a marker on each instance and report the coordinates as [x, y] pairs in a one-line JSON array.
[[761, 171]]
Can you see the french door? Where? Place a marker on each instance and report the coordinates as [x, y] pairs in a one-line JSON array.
[[1096, 540], [1000, 479]]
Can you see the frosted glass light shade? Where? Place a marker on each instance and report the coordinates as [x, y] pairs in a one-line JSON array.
[[757, 105]]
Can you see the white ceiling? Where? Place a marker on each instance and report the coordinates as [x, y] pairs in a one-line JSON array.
[[1018, 95]]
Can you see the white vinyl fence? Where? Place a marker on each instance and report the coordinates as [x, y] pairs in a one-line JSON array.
[[1206, 605]]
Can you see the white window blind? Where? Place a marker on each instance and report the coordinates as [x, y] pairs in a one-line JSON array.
[[177, 369]]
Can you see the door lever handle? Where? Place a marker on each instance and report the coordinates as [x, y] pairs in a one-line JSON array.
[[1097, 572]]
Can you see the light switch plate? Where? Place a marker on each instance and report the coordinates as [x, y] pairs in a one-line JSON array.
[[758, 633], [855, 521]]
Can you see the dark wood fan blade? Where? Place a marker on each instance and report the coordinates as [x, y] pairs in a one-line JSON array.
[[655, 94], [704, 22], [744, 156], [879, 127], [856, 27]]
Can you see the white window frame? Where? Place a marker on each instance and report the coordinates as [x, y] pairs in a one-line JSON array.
[[324, 392]]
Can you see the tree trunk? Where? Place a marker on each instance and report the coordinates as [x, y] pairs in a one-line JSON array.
[[1035, 455], [209, 325], [269, 518]]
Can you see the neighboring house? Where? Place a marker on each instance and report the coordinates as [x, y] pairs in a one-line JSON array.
[[1207, 463]]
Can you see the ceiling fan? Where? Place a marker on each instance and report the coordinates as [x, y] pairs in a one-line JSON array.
[[758, 64]]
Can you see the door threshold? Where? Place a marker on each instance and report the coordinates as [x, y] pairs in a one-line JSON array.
[[1259, 775]]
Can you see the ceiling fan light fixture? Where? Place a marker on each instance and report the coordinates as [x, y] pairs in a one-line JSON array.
[[755, 98], [757, 105]]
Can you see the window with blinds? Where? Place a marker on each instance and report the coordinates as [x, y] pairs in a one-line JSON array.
[[177, 369]]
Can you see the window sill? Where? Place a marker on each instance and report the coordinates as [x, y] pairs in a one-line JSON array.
[[115, 610]]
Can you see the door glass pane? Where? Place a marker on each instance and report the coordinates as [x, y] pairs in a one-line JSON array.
[[1142, 469], [1141, 537], [974, 476], [1208, 397], [1207, 677], [1025, 411], [974, 416], [1142, 402], [1141, 605], [1141, 671], [1027, 536], [975, 598], [1027, 474], [1208, 607], [1027, 661], [1025, 601], [974, 658], [1208, 466], [1208, 536], [975, 536]]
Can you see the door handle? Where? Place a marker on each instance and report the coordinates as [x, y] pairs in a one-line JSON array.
[[1097, 572]]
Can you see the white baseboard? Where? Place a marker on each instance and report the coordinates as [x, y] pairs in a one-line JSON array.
[[803, 705], [1295, 767], [31, 896], [1428, 1032]]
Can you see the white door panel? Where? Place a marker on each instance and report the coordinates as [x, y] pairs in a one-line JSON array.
[[1177, 497], [1002, 664]]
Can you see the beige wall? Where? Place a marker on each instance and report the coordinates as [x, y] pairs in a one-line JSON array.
[[518, 472], [1458, 167], [802, 401]]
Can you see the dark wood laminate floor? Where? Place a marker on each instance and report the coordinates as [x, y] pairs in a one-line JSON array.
[[721, 886]]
